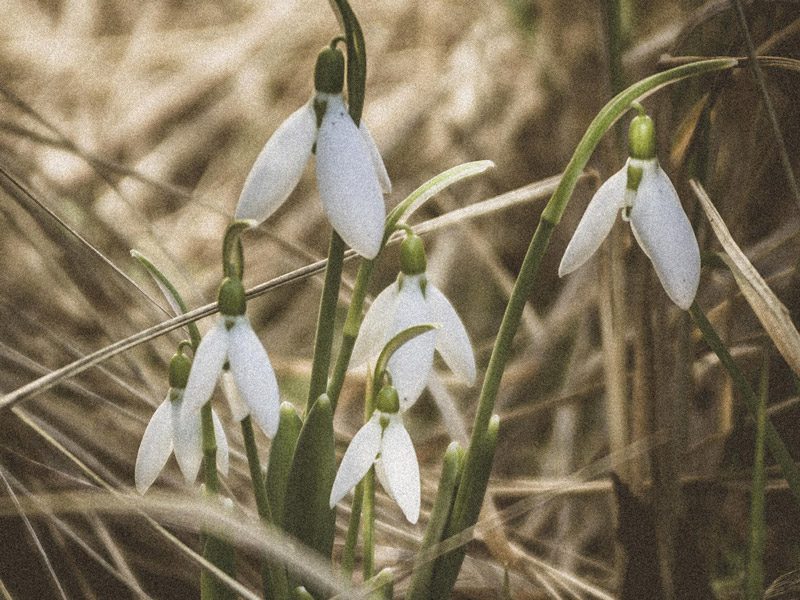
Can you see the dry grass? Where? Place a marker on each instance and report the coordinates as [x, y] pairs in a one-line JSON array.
[[133, 125]]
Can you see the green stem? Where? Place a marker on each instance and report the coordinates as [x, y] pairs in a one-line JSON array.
[[209, 451], [613, 15], [350, 332], [326, 320], [273, 576], [368, 512], [368, 508], [232, 251], [550, 217], [349, 555], [356, 59], [771, 436], [755, 566]]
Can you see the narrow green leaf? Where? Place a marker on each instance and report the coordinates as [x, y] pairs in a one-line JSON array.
[[430, 188], [758, 525], [447, 567], [301, 593], [772, 438], [307, 515], [281, 453], [394, 344], [381, 587], [425, 561], [220, 554], [170, 292]]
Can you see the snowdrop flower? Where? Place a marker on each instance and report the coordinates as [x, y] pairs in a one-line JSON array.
[[169, 430], [409, 301], [649, 201], [350, 172], [233, 341], [384, 442]]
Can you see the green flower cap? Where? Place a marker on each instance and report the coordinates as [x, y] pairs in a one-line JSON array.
[[231, 297], [329, 71], [642, 138], [412, 255], [179, 367], [388, 401]]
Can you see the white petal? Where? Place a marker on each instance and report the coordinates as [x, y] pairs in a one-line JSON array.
[[411, 364], [380, 474], [452, 340], [400, 468], [279, 166], [155, 448], [596, 222], [377, 159], [663, 231], [372, 334], [187, 436], [222, 445], [254, 376], [357, 459], [348, 187], [206, 367], [239, 410]]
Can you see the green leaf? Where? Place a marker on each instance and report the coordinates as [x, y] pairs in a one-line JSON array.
[[281, 453], [426, 559], [218, 553], [430, 188], [170, 293], [394, 344], [307, 514]]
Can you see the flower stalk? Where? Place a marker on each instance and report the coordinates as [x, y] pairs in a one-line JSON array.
[[550, 217]]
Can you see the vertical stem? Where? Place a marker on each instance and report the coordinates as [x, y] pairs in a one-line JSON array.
[[350, 331], [348, 557], [326, 320], [273, 576], [368, 509], [755, 563], [209, 451], [368, 512]]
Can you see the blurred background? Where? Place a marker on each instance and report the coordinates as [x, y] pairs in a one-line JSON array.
[[134, 124]]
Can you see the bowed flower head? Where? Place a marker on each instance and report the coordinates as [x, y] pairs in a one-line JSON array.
[[384, 442], [350, 171], [170, 430], [233, 341], [649, 201], [413, 300]]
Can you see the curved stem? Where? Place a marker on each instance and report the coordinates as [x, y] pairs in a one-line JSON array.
[[550, 217]]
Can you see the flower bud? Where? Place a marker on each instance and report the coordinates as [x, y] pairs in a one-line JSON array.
[[329, 71], [388, 401], [642, 138], [231, 297], [179, 368], [412, 255]]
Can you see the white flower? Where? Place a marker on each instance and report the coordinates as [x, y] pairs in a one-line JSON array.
[[233, 340], [407, 302], [384, 439], [659, 224], [169, 429], [350, 173]]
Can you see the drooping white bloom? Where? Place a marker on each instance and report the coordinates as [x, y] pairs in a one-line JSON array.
[[171, 430], [233, 340], [409, 301], [384, 439], [658, 222], [351, 175]]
